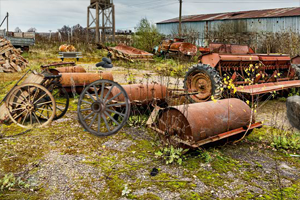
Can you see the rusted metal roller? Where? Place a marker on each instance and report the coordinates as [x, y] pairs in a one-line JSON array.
[[76, 69], [140, 93], [201, 123], [80, 80]]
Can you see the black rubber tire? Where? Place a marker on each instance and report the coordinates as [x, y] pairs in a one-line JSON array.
[[297, 68], [214, 76]]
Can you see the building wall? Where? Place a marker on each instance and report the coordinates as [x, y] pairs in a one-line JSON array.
[[260, 25]]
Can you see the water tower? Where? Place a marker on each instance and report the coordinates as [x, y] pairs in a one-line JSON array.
[[101, 18]]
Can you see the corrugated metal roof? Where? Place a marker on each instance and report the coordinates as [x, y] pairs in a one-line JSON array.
[[280, 12]]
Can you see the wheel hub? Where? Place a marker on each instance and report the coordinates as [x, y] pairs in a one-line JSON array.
[[98, 107], [30, 107], [201, 83]]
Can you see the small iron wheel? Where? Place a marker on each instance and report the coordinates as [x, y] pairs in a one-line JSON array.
[[99, 112], [31, 105], [204, 80]]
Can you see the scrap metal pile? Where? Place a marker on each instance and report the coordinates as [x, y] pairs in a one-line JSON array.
[[127, 53], [10, 58]]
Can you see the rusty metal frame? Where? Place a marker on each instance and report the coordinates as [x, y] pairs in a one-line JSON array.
[[210, 139]]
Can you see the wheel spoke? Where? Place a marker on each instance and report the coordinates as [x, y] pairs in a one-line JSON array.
[[29, 96], [48, 102], [45, 109], [112, 118], [40, 98], [96, 92], [35, 94], [19, 115], [105, 121], [113, 111], [18, 109], [85, 109], [91, 96], [113, 98], [94, 118], [107, 95], [86, 102], [88, 116], [15, 104], [25, 118], [36, 118], [102, 91], [115, 105], [30, 118], [42, 114], [99, 122]]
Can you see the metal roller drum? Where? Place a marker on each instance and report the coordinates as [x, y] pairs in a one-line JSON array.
[[68, 70], [140, 93], [197, 122], [80, 80]]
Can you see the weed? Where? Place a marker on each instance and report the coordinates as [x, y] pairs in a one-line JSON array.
[[172, 155], [9, 182]]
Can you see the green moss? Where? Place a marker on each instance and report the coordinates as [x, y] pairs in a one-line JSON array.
[[148, 196]]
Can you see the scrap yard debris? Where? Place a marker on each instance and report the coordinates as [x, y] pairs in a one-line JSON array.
[[128, 53], [10, 58]]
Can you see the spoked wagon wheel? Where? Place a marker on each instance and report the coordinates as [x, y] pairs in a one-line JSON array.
[[101, 113], [31, 104], [62, 99]]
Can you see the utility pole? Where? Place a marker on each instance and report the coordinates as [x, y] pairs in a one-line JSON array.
[[180, 16]]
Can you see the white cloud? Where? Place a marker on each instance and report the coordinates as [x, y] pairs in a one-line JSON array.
[[48, 15]]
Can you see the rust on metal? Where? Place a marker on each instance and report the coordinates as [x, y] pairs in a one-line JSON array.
[[57, 64], [280, 12], [268, 87], [296, 60], [178, 46], [140, 93], [196, 124], [76, 69], [67, 48], [125, 52], [240, 63], [80, 80]]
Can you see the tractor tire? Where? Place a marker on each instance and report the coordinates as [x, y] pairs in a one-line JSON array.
[[297, 68], [204, 79]]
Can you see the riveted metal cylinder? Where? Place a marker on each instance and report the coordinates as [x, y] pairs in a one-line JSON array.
[[195, 122], [80, 80], [140, 93], [76, 69]]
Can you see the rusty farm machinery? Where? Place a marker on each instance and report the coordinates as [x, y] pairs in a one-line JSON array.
[[39, 98], [104, 106], [251, 74]]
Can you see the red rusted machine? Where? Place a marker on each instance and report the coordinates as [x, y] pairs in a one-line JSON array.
[[250, 73], [194, 125], [177, 47]]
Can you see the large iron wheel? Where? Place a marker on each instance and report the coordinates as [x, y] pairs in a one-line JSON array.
[[31, 105], [99, 112], [204, 80]]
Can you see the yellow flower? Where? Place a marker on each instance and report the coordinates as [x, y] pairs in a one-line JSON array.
[[248, 102]]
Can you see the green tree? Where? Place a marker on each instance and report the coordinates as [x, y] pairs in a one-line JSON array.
[[147, 36]]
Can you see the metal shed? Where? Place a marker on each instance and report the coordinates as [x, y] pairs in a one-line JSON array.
[[256, 21]]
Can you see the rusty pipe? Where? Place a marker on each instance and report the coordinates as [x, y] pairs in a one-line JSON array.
[[76, 69], [80, 80], [140, 93], [196, 122]]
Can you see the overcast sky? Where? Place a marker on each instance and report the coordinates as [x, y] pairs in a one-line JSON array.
[[47, 15]]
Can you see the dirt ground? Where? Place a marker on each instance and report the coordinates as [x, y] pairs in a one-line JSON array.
[[63, 161]]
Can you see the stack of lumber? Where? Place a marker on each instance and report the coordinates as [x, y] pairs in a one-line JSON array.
[[10, 58]]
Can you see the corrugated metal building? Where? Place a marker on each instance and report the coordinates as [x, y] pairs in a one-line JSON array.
[[257, 21]]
